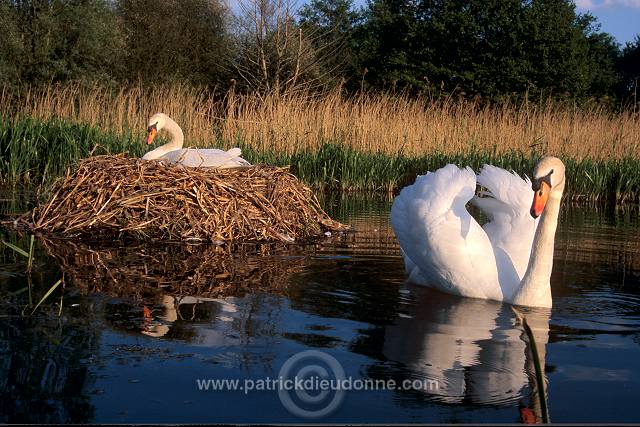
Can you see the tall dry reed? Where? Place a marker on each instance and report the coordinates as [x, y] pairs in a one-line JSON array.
[[371, 123]]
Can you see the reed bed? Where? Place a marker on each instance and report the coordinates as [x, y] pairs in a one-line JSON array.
[[116, 196], [363, 142], [380, 123], [35, 153]]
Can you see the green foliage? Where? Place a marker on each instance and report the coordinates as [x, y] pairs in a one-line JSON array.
[[389, 46], [52, 40], [11, 47], [492, 48], [629, 66], [101, 40], [170, 40], [604, 53], [33, 152], [36, 152]]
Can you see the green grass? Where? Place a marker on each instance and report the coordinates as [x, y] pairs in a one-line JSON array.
[[34, 153], [19, 250], [28, 272]]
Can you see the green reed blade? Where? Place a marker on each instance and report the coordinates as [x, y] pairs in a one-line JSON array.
[[16, 249], [30, 260], [542, 392], [49, 292]]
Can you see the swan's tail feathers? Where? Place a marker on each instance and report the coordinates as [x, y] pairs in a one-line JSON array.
[[234, 152], [507, 187], [235, 159]]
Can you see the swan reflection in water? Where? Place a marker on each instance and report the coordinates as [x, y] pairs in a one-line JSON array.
[[219, 313], [475, 349]]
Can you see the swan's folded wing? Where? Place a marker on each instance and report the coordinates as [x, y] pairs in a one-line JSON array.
[[206, 158], [236, 160], [441, 238], [225, 159], [234, 152], [511, 228], [507, 187]]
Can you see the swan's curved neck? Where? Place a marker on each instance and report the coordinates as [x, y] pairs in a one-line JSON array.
[[175, 143], [535, 288]]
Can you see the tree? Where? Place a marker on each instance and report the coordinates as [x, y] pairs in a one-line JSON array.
[[273, 52], [332, 22], [476, 46], [629, 68], [51, 40], [90, 43], [603, 55], [388, 45], [491, 48], [11, 49], [168, 40]]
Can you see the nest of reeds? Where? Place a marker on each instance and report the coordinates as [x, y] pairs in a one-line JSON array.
[[144, 272], [118, 196]]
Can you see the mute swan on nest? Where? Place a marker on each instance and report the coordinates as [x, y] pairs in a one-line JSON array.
[[190, 157], [509, 259]]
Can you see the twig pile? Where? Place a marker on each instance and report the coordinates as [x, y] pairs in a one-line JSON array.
[[115, 196]]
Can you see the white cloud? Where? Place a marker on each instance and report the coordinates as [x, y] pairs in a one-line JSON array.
[[584, 4], [602, 4]]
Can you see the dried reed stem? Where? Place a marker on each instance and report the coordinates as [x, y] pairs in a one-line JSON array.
[[371, 123]]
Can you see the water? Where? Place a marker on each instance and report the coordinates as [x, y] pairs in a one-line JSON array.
[[141, 324]]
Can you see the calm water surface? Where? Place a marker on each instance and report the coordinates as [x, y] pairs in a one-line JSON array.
[[138, 326]]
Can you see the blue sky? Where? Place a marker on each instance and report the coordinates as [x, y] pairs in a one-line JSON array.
[[621, 18]]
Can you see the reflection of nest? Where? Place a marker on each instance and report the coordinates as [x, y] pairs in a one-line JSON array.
[[116, 195], [145, 272]]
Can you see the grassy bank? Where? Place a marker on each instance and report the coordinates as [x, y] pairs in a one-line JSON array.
[[35, 151]]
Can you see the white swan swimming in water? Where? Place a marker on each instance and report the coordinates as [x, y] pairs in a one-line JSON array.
[[509, 259], [190, 157]]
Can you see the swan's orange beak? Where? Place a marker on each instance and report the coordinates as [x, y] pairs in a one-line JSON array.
[[540, 199], [151, 134]]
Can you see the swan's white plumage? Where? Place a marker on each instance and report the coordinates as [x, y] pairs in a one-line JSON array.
[[441, 239], [511, 227], [190, 157], [443, 245], [205, 158]]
